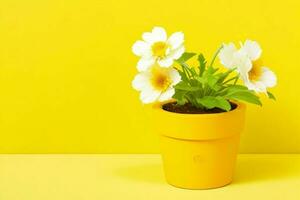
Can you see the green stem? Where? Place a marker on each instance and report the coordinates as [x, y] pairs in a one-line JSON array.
[[237, 78], [231, 79], [215, 56], [186, 70]]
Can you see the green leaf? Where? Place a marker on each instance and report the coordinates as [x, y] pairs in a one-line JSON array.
[[185, 86], [236, 87], [246, 95], [202, 64], [271, 96], [183, 76], [211, 81], [231, 79], [210, 71], [193, 71], [212, 102], [201, 80], [181, 101], [215, 56], [223, 76], [236, 79], [190, 70], [185, 57], [180, 96]]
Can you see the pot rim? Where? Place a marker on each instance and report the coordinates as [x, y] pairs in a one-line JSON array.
[[158, 107]]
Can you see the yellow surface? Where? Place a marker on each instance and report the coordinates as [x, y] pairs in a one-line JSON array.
[[66, 68], [115, 177]]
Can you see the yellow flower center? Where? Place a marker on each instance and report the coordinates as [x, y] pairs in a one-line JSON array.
[[160, 79], [159, 49], [256, 71]]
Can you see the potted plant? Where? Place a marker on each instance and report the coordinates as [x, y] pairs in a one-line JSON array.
[[199, 111]]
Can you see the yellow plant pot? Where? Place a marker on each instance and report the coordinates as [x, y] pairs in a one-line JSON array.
[[199, 150]]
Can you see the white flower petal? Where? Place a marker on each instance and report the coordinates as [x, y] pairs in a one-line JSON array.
[[174, 75], [257, 86], [149, 95], [141, 81], [145, 63], [226, 55], [166, 62], [159, 34], [176, 40], [148, 37], [242, 63], [140, 48], [177, 53], [167, 95], [252, 49], [268, 77]]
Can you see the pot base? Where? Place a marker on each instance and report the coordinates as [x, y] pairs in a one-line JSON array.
[[209, 188], [199, 164]]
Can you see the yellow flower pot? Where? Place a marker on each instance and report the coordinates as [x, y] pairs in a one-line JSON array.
[[199, 150]]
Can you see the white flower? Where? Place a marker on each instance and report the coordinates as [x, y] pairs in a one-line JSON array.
[[227, 55], [156, 84], [247, 60], [157, 47]]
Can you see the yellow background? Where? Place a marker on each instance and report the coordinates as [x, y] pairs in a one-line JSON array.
[[66, 69]]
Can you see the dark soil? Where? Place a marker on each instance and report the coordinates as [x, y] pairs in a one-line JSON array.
[[189, 109]]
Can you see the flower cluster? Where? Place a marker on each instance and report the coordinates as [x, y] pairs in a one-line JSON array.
[[157, 75], [159, 80], [249, 65]]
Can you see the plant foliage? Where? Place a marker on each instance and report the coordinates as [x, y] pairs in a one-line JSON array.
[[206, 88]]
